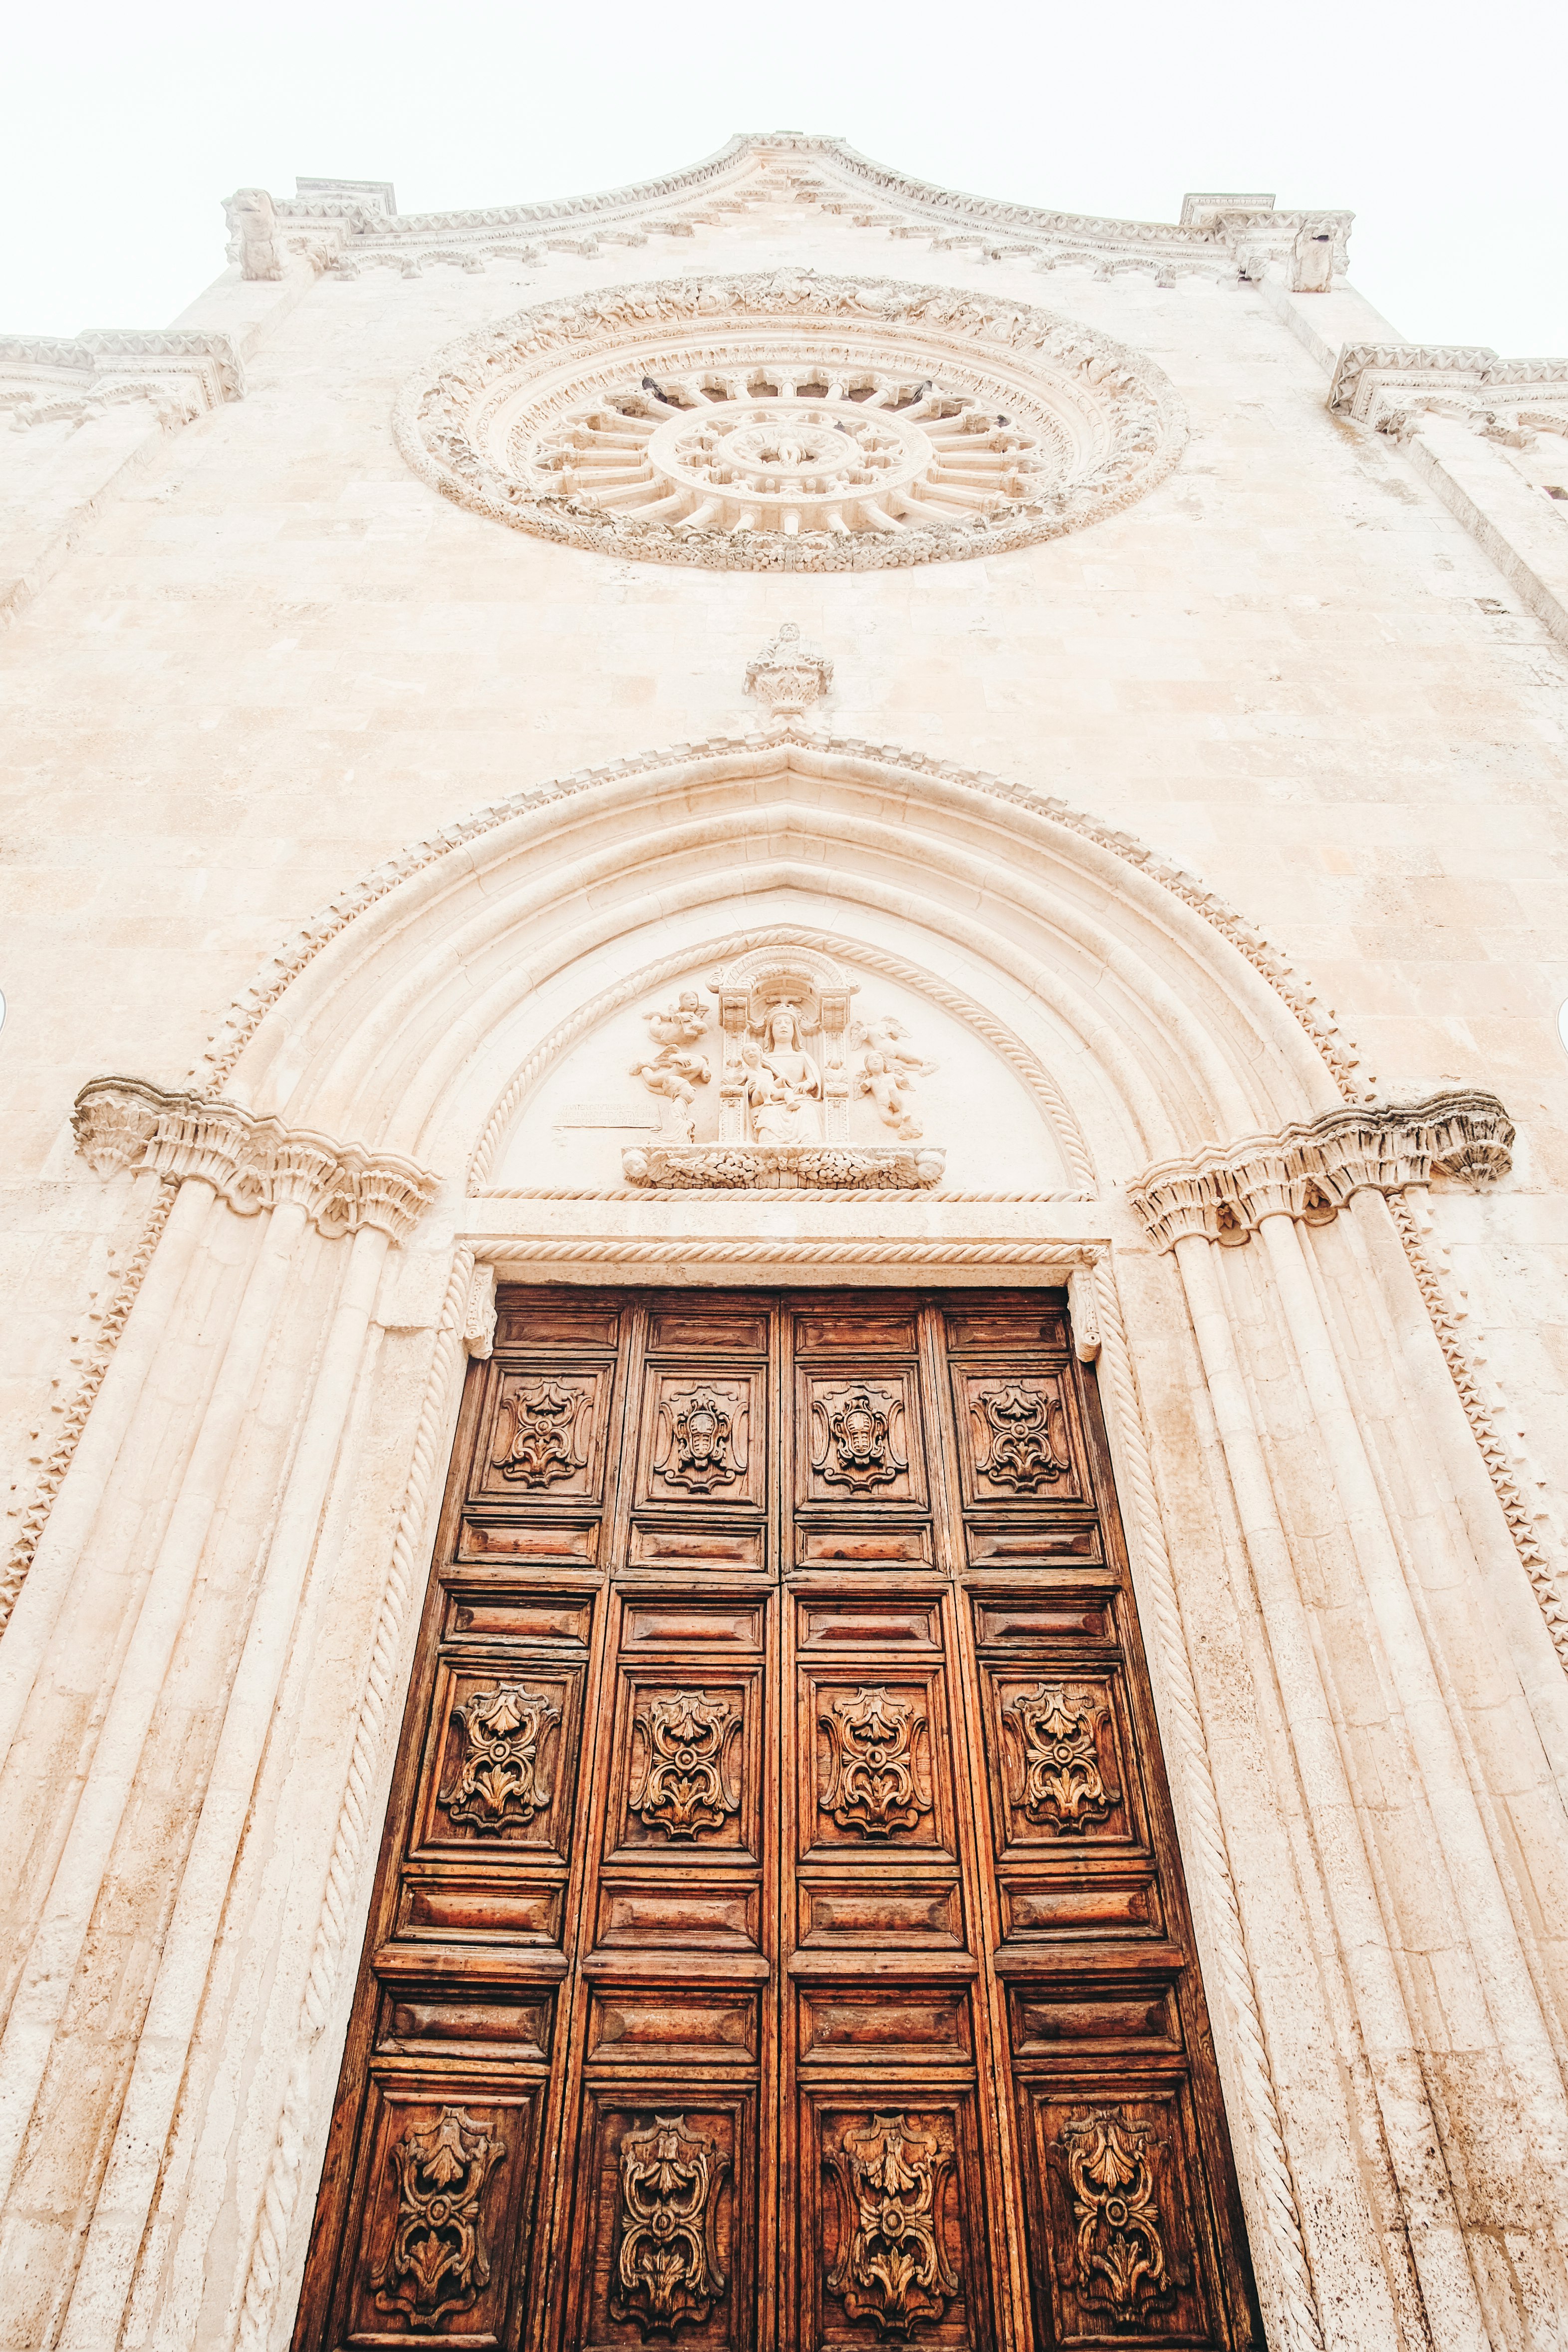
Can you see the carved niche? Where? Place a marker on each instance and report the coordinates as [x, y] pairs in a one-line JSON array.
[[893, 2268], [666, 2265], [792, 1065], [439, 2261]]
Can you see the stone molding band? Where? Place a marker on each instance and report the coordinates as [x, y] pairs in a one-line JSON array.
[[251, 1163], [1310, 1170]]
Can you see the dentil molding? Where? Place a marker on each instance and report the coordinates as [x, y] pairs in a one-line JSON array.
[[1310, 1170], [252, 1163]]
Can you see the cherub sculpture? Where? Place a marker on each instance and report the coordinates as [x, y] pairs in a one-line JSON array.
[[674, 1072], [890, 1066]]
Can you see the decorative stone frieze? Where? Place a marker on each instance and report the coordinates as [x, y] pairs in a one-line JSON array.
[[181, 371], [1388, 387], [1310, 1170], [782, 1167], [795, 422], [252, 1163]]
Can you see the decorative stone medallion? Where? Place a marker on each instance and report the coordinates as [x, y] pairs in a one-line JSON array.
[[790, 421]]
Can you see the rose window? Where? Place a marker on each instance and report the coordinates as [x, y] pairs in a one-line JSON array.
[[789, 423], [879, 454]]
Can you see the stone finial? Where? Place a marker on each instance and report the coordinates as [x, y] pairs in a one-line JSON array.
[[787, 676]]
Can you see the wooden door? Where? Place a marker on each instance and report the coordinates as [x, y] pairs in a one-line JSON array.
[[780, 1939]]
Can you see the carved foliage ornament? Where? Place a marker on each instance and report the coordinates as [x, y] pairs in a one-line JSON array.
[[682, 1787], [856, 1429], [501, 1780], [1023, 1437], [542, 1444], [701, 1444], [439, 2261], [871, 1785], [666, 2265], [1110, 2162], [1063, 1784], [892, 2268], [790, 421]]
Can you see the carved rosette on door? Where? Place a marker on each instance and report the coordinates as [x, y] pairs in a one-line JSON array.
[[779, 1779]]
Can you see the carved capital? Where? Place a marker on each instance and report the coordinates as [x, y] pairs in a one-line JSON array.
[[252, 1163], [1310, 1170]]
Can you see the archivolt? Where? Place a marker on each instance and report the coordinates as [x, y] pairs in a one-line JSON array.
[[382, 1003]]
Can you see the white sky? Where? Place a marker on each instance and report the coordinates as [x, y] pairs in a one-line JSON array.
[[1441, 126]]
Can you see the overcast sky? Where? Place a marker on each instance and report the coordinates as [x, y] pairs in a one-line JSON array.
[[1445, 128]]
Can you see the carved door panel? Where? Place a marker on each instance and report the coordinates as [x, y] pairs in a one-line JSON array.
[[779, 1939]]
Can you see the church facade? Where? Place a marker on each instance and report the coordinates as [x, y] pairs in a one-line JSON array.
[[785, 1250]]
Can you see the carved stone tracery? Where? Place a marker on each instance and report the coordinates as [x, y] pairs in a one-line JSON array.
[[787, 421]]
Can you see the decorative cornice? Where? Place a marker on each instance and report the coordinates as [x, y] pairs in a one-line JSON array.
[[357, 223], [1311, 1169], [183, 371], [1388, 387], [252, 1163]]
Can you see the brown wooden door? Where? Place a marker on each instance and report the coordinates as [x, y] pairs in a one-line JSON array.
[[780, 1938]]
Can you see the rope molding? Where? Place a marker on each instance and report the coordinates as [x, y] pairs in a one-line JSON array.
[[725, 1192], [356, 1825], [1303, 2325], [689, 1251], [35, 1519], [1494, 1453]]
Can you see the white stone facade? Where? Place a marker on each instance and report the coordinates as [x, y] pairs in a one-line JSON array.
[[361, 852]]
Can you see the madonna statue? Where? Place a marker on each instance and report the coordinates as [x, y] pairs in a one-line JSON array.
[[783, 1084]]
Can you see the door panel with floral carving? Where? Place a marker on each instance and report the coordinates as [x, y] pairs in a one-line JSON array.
[[780, 1939]]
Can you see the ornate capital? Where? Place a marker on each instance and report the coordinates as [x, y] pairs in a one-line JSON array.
[[1311, 1169], [787, 676], [252, 1163]]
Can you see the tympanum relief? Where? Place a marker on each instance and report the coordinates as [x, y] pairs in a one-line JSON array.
[[783, 1069]]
